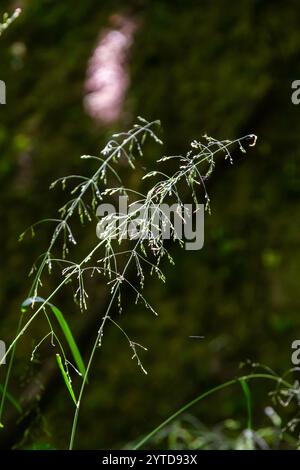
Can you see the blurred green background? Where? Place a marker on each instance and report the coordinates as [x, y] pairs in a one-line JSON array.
[[201, 67]]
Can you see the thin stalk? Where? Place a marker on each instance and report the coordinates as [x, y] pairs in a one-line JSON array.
[[247, 394], [98, 338], [7, 377], [84, 381]]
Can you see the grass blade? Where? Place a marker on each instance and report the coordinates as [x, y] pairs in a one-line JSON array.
[[64, 327], [212, 391], [247, 394], [4, 391], [11, 399], [66, 378]]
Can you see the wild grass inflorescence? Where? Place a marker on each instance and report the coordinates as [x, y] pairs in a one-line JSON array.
[[144, 253]]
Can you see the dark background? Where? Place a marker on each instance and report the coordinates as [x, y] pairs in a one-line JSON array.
[[219, 68]]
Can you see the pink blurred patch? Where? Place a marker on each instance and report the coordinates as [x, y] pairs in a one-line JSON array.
[[107, 75]]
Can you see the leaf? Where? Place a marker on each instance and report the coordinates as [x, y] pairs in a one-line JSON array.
[[12, 400], [247, 394], [66, 378], [65, 328]]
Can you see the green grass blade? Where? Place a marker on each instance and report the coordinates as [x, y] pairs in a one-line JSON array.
[[11, 399], [70, 339], [4, 391], [64, 327], [66, 378], [247, 394], [212, 391]]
